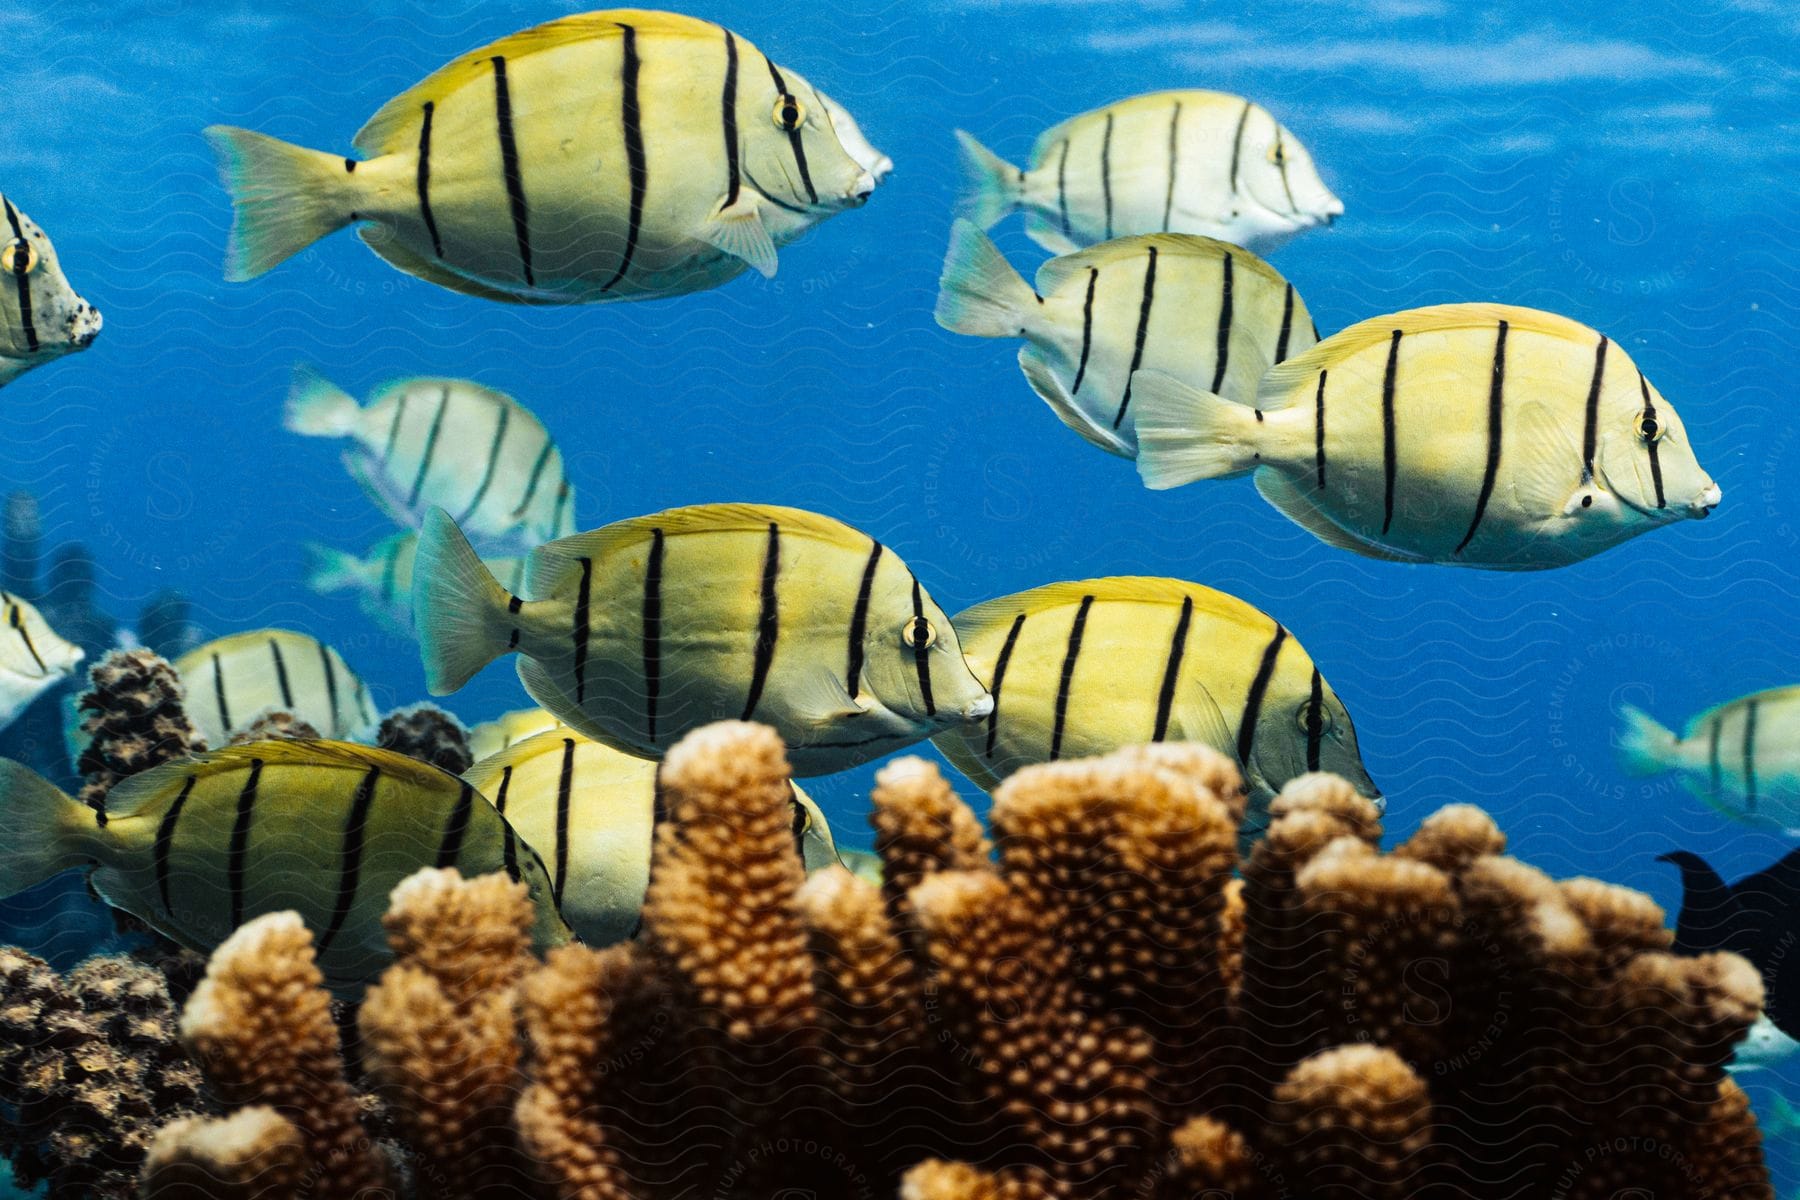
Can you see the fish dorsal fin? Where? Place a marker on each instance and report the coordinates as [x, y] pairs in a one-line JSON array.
[[393, 127], [1060, 270], [134, 792], [1139, 589], [550, 741], [554, 566]]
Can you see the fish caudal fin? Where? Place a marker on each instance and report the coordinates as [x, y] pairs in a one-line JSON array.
[[979, 293], [331, 570], [1645, 747], [1186, 434], [46, 829], [317, 407], [459, 607], [995, 185], [284, 198]]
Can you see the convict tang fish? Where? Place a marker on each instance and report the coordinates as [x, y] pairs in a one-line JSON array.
[[33, 659], [645, 629], [1210, 314], [1742, 757], [509, 729], [611, 155], [1168, 162], [229, 681], [1479, 435], [41, 317]]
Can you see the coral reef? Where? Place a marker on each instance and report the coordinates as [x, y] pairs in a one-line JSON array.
[[429, 734], [275, 726], [1096, 1008], [133, 720]]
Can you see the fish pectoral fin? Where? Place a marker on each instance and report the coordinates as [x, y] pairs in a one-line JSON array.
[[1199, 719], [1297, 507], [1548, 460], [823, 698], [738, 230]]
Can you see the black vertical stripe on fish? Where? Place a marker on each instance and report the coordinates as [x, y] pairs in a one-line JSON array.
[[1087, 329], [632, 115], [1655, 462], [922, 651], [350, 856], [562, 501], [238, 850], [1714, 765], [219, 693], [768, 623], [1287, 325], [1165, 698], [1389, 460], [15, 617], [728, 119], [1590, 435], [1281, 162], [20, 274], [580, 631], [1106, 174], [1006, 652], [652, 633], [1067, 678], [794, 140], [1143, 330], [513, 605], [387, 451], [1062, 187], [493, 462], [1315, 721], [510, 848], [1496, 407], [424, 180], [537, 471], [1174, 159], [165, 842], [456, 827], [799, 826], [1259, 688], [859, 623], [331, 688], [281, 676], [1223, 348], [1750, 757], [1319, 431], [509, 168], [431, 441], [1237, 146], [565, 786]]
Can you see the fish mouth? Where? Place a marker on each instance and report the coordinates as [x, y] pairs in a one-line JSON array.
[[84, 326], [1702, 505]]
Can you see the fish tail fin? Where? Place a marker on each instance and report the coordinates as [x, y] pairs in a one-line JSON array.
[[47, 830], [1784, 1118], [979, 293], [329, 569], [1185, 434], [284, 198], [1645, 747], [995, 185], [459, 607], [317, 407]]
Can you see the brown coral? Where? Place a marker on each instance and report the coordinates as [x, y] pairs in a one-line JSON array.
[[133, 720], [429, 734]]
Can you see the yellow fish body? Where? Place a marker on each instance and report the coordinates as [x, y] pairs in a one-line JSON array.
[[1742, 757], [1168, 162], [1084, 668], [610, 155], [41, 317], [33, 659], [1209, 313], [198, 846], [509, 729], [645, 629], [1480, 435], [589, 811], [382, 581], [228, 681]]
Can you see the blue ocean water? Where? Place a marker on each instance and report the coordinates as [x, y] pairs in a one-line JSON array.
[[1628, 166]]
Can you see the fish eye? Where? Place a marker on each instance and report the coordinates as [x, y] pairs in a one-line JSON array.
[[918, 633], [1303, 718], [1277, 155], [789, 112], [1649, 428], [19, 257]]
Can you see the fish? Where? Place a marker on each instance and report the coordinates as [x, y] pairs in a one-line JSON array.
[[1757, 917], [1083, 668], [614, 155], [382, 581], [426, 443], [197, 846], [1208, 313], [1473, 435], [509, 729], [229, 681], [41, 317], [589, 811], [651, 627], [1741, 757], [864, 864], [1167, 162], [1763, 1047], [33, 659]]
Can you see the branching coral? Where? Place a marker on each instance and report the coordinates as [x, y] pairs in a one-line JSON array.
[[1099, 1008]]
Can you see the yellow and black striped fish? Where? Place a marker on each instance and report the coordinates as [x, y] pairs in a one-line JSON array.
[[198, 846], [1475, 435], [648, 628], [41, 317], [382, 581], [1168, 162], [229, 681], [509, 729], [1211, 314], [33, 658], [425, 443], [1742, 757], [589, 811], [1085, 668], [611, 155]]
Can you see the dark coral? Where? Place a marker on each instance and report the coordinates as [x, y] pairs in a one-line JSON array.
[[133, 719], [429, 734]]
